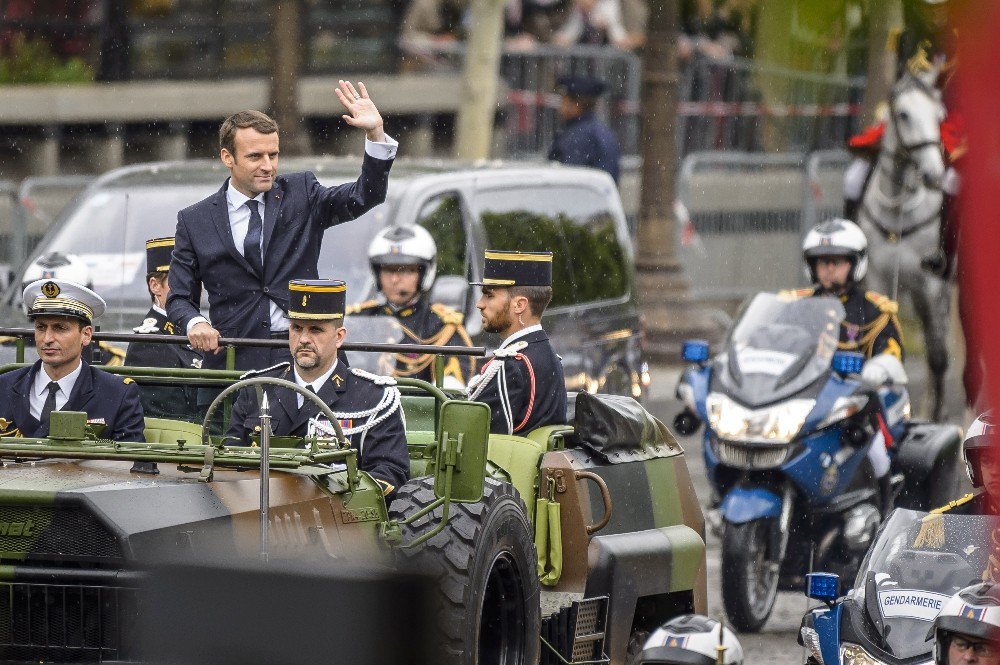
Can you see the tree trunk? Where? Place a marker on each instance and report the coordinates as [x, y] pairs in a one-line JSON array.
[[286, 69], [886, 21], [474, 126]]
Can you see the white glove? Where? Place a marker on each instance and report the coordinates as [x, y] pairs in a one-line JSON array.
[[883, 369]]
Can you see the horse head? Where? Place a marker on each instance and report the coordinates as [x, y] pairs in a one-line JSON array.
[[913, 130]]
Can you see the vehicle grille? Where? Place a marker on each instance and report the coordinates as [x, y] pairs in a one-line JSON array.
[[64, 622], [742, 456], [60, 532]]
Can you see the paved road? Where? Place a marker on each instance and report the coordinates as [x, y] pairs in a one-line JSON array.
[[776, 645]]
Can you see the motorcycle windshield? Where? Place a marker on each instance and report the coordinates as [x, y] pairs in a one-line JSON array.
[[778, 346], [373, 329], [917, 562]]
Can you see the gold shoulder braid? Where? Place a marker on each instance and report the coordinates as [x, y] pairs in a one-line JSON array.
[[931, 534], [407, 365], [117, 358], [871, 330]]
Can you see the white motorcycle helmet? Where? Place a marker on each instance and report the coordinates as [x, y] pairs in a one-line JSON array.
[[58, 265], [690, 639], [837, 237], [411, 245], [978, 438], [974, 612]]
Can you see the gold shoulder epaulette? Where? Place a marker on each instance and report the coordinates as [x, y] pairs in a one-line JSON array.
[[361, 306], [884, 303], [447, 314]]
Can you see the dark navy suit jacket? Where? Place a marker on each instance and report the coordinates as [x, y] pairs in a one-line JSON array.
[[586, 141], [103, 396], [382, 449], [297, 211]]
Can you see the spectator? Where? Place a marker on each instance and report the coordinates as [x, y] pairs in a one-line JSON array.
[[585, 140], [593, 22]]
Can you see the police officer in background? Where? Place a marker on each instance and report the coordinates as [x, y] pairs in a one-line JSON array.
[[523, 383], [982, 463], [162, 401], [63, 315], [404, 263], [584, 140], [367, 406]]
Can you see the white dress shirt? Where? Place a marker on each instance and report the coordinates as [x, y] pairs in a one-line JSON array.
[[239, 224], [316, 385], [40, 390], [519, 334]]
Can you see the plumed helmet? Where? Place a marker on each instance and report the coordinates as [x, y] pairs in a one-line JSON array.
[[690, 639], [58, 265], [974, 612], [837, 237], [978, 438], [405, 245]]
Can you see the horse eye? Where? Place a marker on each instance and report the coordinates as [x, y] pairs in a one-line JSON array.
[[904, 116]]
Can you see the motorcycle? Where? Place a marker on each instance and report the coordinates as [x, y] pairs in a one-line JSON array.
[[918, 561], [788, 428]]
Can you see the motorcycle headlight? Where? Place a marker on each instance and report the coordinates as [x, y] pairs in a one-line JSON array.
[[844, 408], [853, 654], [776, 424], [810, 638]]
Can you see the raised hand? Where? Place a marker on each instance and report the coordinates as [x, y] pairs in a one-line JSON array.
[[361, 110]]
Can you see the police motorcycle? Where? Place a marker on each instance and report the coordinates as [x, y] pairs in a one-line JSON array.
[[917, 562], [789, 425]]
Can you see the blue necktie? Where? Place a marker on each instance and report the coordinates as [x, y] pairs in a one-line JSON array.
[[251, 244]]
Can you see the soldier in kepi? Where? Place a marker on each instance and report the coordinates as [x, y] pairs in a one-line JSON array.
[[61, 380], [166, 401], [836, 256], [367, 406], [523, 383], [404, 262]]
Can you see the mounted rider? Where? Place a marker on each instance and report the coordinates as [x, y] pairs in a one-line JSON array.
[[836, 257], [404, 263]]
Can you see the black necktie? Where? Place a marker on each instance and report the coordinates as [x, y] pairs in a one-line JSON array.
[[50, 402], [251, 244]]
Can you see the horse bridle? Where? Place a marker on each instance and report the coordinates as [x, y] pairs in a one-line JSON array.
[[904, 149]]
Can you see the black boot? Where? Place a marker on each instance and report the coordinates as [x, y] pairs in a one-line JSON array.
[[885, 494]]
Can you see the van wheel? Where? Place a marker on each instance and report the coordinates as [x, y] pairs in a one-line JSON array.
[[485, 562]]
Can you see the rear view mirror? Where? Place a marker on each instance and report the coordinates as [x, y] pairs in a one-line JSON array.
[[465, 434]]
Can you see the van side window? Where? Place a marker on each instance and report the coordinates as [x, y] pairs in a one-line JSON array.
[[442, 217], [573, 222]]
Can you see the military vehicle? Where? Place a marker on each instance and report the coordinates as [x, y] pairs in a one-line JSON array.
[[566, 545]]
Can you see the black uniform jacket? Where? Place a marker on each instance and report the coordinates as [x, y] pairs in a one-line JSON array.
[[297, 210], [164, 401], [425, 323], [382, 449], [870, 325], [586, 141], [109, 400], [534, 384]]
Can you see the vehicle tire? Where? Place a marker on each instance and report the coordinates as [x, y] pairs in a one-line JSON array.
[[485, 560], [749, 579]]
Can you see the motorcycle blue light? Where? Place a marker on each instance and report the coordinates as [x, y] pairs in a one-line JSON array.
[[823, 586], [694, 351], [848, 362]]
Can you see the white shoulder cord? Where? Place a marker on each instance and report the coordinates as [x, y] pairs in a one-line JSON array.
[[478, 383], [388, 405]]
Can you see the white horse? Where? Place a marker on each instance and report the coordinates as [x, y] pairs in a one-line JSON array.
[[901, 214]]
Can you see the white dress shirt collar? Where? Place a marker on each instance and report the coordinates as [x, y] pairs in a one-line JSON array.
[[317, 384], [236, 198], [40, 389], [519, 334]]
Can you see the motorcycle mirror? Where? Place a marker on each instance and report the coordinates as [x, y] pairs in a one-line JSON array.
[[694, 351], [848, 362], [824, 587]]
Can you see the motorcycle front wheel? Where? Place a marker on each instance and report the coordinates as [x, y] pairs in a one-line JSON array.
[[749, 574]]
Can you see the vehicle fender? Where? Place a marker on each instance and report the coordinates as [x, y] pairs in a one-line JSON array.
[[621, 566], [826, 623], [923, 446], [744, 504]]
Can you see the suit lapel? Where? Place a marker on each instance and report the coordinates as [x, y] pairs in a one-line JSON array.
[[83, 390], [329, 392], [22, 405], [272, 207], [289, 408], [220, 216]]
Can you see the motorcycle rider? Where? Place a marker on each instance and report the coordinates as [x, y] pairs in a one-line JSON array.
[[404, 262], [836, 257], [967, 630], [982, 463], [690, 639]]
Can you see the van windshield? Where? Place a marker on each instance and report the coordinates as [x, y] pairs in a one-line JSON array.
[[108, 230]]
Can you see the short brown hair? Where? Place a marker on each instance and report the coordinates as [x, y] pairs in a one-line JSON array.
[[259, 121], [538, 297]]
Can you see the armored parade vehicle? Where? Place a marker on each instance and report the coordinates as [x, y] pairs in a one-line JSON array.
[[565, 545]]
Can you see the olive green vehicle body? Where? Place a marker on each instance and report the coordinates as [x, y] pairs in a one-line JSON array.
[[72, 513]]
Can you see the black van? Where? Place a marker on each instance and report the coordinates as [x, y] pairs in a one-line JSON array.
[[576, 213]]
